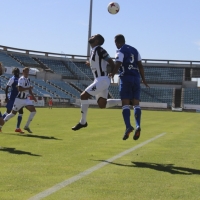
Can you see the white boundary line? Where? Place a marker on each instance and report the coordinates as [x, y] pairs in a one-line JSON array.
[[75, 178]]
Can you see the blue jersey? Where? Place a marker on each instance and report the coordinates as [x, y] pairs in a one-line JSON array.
[[13, 83], [129, 56]]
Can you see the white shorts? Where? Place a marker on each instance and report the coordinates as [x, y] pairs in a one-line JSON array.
[[19, 103], [99, 88]]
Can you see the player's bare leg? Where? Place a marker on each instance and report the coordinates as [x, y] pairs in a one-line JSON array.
[[102, 102]]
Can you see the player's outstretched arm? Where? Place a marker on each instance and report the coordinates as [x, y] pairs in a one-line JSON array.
[[116, 68], [111, 63], [141, 70]]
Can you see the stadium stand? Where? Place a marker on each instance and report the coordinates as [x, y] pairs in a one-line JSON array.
[[51, 89], [157, 94], [114, 91], [195, 73], [85, 69], [3, 82], [65, 86], [153, 94], [170, 81], [79, 85], [78, 71], [167, 75], [191, 96], [25, 59], [8, 61], [57, 66]]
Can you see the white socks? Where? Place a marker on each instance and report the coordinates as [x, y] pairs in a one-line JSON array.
[[113, 102], [30, 118], [84, 110], [8, 117], [85, 106]]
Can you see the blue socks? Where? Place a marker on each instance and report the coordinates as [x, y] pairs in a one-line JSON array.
[[126, 115], [137, 114], [19, 119]]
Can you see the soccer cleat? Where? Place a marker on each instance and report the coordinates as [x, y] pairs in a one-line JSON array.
[[127, 132], [79, 126], [28, 129], [137, 133], [19, 130]]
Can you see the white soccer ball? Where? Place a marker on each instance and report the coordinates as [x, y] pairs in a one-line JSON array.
[[113, 8]]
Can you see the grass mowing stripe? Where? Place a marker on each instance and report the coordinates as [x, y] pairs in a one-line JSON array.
[[63, 184]]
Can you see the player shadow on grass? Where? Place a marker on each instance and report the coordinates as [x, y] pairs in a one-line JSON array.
[[170, 168], [15, 151], [39, 136], [36, 136]]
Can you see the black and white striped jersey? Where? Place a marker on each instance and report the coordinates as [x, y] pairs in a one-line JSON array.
[[98, 61], [25, 83]]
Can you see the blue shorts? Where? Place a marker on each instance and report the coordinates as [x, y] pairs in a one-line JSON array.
[[0, 114], [10, 103], [129, 87]]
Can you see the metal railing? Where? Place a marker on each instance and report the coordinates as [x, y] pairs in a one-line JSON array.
[[74, 57]]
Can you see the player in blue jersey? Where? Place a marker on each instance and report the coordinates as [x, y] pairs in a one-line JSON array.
[[22, 100], [128, 63], [1, 118], [13, 82]]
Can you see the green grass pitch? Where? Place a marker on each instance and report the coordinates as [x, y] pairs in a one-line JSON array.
[[165, 169]]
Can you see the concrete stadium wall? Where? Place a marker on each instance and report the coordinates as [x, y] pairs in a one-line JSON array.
[[142, 104], [191, 107], [152, 105], [48, 76], [189, 84]]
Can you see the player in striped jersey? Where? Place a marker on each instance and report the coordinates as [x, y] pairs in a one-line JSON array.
[[25, 89], [13, 82], [99, 88], [1, 118]]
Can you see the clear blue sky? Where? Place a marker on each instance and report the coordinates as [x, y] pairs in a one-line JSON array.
[[159, 29]]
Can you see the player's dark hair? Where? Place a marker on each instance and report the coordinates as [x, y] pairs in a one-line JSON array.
[[120, 38], [100, 39], [15, 70]]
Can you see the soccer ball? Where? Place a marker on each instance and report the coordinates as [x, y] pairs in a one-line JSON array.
[[113, 8]]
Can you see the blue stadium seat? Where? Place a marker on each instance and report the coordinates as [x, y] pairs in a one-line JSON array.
[[9, 61], [191, 96], [167, 75], [57, 66], [153, 94], [25, 59]]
